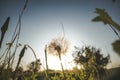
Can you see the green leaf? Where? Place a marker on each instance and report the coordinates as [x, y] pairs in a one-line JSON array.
[[116, 46], [4, 28], [97, 19], [102, 16], [100, 11]]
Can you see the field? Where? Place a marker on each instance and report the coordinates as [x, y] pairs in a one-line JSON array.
[[63, 30]]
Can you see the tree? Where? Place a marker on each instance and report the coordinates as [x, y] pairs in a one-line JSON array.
[[91, 61]]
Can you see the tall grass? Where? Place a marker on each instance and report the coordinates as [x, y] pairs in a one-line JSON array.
[[7, 55], [46, 71]]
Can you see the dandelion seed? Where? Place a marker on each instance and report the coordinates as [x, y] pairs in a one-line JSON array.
[[58, 46]]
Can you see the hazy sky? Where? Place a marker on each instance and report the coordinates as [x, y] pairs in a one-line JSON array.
[[41, 22]]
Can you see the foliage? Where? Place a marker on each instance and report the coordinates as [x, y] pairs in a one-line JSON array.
[[7, 58], [116, 46], [104, 17], [34, 66], [91, 61]]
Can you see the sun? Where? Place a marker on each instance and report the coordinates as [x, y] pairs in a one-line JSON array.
[[54, 62]]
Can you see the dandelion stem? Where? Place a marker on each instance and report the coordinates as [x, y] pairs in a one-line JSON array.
[[62, 67], [63, 29]]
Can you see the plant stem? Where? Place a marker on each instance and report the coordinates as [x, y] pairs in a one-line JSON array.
[[114, 31], [47, 73], [62, 67], [32, 51]]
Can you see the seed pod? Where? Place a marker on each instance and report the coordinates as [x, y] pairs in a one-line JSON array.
[[22, 51], [4, 28]]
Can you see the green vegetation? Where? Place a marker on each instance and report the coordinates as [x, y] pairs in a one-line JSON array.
[[91, 60], [92, 63], [104, 17]]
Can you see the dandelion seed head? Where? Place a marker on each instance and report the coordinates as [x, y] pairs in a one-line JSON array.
[[58, 46]]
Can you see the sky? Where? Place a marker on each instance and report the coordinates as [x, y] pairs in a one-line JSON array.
[[42, 21]]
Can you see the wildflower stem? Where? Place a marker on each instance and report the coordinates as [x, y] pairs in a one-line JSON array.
[[47, 73], [114, 31], [62, 67]]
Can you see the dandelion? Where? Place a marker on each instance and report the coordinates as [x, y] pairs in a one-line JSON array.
[[57, 47]]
